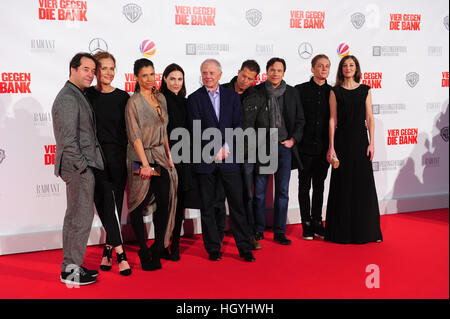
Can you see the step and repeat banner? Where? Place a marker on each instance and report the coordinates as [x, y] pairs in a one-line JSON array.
[[402, 46]]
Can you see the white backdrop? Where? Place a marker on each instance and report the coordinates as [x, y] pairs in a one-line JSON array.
[[408, 69]]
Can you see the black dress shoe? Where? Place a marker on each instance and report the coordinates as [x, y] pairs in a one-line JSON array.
[[259, 236], [308, 230], [215, 256], [248, 256], [281, 239], [319, 230]]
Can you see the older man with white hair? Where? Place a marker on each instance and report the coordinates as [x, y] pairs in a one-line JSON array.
[[219, 108]]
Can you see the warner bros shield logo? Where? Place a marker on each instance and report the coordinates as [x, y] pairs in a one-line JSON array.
[[253, 17], [412, 78], [444, 135], [132, 12], [358, 19], [2, 155]]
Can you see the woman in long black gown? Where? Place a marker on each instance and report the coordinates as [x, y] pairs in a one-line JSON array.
[[174, 90], [353, 215]]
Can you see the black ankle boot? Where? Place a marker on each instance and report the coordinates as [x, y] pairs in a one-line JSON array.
[[144, 256], [166, 254], [175, 252], [155, 262]]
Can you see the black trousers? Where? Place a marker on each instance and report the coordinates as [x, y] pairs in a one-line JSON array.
[[159, 186], [211, 232], [108, 195], [315, 169]]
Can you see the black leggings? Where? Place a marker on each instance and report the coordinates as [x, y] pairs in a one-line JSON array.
[[160, 187], [109, 190]]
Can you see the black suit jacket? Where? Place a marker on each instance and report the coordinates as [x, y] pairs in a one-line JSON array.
[[201, 108]]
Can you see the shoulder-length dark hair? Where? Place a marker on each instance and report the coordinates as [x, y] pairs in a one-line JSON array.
[[340, 74], [138, 65], [169, 69]]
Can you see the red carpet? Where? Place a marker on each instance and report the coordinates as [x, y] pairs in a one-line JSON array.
[[413, 261]]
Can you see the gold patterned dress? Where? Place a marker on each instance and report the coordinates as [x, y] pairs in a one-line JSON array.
[[143, 122]]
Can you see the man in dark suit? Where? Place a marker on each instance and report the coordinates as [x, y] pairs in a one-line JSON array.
[[78, 153], [286, 115], [218, 108]]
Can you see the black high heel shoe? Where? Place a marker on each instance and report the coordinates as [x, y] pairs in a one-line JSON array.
[[107, 252], [123, 257]]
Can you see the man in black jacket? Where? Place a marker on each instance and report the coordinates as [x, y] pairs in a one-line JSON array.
[[254, 107], [285, 113], [315, 95]]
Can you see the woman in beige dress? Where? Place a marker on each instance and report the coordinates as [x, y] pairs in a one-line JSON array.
[[150, 167]]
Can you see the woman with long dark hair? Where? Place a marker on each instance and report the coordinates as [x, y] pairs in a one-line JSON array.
[[109, 104], [353, 214], [174, 89], [150, 164]]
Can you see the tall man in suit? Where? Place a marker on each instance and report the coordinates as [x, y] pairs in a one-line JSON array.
[[219, 108], [78, 153]]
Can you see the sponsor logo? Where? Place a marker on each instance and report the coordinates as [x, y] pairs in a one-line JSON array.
[[132, 12], [130, 81], [206, 48], [444, 133], [444, 79], [41, 45], [446, 22], [405, 22], [402, 136], [49, 156], [200, 16], [147, 48], [2, 155], [254, 17], [260, 78], [343, 50], [42, 119], [358, 20], [97, 45], [48, 190], [15, 82], [67, 10], [307, 19], [372, 79], [388, 50], [412, 78], [388, 165], [264, 49], [305, 50], [434, 51], [433, 107], [388, 108], [430, 161]]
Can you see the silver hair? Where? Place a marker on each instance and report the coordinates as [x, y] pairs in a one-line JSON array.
[[211, 61]]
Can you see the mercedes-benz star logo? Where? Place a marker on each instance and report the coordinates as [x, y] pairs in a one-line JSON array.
[[97, 45], [305, 50]]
